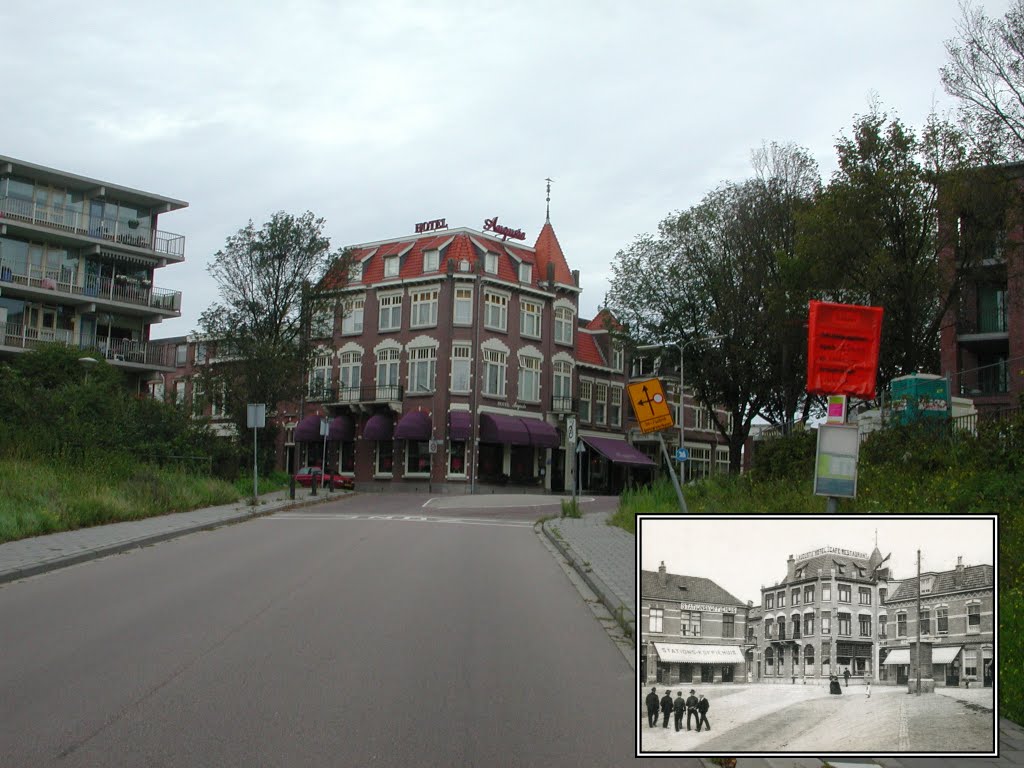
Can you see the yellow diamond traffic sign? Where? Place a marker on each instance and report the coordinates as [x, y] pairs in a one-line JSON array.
[[650, 405]]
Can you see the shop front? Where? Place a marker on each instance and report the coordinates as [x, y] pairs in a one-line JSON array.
[[699, 663]]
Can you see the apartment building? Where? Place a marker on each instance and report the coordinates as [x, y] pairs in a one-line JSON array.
[[78, 263], [982, 334], [691, 630], [957, 623]]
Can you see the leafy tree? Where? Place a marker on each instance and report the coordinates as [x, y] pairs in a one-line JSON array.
[[728, 267], [986, 72], [876, 230], [260, 326]]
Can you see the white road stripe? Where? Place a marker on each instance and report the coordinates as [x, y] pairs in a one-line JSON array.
[[403, 518]]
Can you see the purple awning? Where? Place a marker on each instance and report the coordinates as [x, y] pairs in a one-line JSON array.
[[415, 425], [378, 427], [460, 425], [618, 451], [542, 434], [308, 430], [341, 429], [495, 428]]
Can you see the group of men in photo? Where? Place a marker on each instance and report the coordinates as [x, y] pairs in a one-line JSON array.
[[692, 706]]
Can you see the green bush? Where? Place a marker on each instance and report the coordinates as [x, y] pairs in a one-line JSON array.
[[789, 457]]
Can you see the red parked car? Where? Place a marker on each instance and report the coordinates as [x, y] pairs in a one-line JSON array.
[[308, 475]]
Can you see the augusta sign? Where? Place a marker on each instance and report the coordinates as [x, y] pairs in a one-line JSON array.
[[843, 342]]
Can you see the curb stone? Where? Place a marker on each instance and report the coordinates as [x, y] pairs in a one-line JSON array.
[[239, 512]]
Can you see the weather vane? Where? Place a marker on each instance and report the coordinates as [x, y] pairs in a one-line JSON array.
[[547, 215]]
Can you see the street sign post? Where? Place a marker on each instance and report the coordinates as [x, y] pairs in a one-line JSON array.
[[654, 414], [255, 418]]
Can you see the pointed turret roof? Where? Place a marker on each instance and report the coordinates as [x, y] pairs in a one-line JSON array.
[[550, 252]]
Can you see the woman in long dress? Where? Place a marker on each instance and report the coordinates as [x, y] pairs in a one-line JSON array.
[[833, 685]]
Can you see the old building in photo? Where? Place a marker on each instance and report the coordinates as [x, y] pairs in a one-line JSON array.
[[691, 630], [822, 618], [79, 262], [957, 624]]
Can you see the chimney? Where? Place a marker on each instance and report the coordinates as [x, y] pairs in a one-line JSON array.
[[958, 577], [789, 568], [576, 277], [662, 578], [750, 603]]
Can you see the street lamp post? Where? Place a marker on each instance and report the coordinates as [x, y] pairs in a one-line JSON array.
[[682, 386]]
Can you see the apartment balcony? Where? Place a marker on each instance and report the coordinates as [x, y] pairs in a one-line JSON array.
[[564, 404], [121, 352], [56, 285], [357, 396], [73, 224]]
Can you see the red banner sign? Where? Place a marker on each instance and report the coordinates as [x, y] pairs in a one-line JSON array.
[[843, 341]]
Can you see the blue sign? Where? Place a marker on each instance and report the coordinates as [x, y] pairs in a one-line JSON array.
[[682, 454]]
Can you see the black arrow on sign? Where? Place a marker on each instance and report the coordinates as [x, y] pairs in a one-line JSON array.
[[649, 404]]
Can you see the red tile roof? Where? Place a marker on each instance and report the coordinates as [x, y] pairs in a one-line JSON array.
[[550, 252], [603, 320], [587, 350]]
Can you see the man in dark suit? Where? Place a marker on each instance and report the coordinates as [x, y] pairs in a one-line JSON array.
[[666, 707], [846, 676], [691, 710], [679, 706], [652, 708], [702, 713]]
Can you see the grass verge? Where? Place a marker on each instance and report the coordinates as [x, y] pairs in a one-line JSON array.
[[45, 497]]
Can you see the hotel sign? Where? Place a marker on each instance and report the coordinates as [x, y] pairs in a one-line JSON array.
[[430, 226], [492, 225], [832, 551]]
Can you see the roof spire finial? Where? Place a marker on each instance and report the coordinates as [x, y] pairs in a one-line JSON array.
[[547, 215]]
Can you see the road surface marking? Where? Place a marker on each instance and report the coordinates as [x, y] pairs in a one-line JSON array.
[[405, 518]]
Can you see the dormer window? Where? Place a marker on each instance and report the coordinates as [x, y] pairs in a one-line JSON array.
[[355, 272], [491, 263], [927, 582], [431, 260], [526, 273], [390, 266]]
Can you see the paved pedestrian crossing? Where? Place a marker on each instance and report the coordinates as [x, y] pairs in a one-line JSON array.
[[285, 516]]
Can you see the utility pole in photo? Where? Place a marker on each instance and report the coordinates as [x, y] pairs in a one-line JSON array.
[[918, 622]]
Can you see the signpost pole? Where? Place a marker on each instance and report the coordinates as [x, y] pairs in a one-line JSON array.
[[672, 474]]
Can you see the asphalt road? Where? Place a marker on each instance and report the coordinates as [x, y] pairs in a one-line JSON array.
[[316, 639]]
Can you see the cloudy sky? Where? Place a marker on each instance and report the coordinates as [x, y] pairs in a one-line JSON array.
[[742, 554], [378, 115]]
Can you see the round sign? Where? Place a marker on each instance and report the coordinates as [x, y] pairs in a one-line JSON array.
[[658, 398]]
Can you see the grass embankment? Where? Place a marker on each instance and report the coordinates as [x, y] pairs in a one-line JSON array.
[[38, 497]]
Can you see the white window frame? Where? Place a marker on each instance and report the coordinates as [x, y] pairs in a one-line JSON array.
[[355, 272], [392, 266], [531, 310], [565, 319], [600, 402], [320, 374], [491, 263], [421, 363], [656, 623], [586, 389], [618, 357], [352, 319], [424, 308], [525, 273], [350, 373], [463, 305], [561, 380], [967, 616], [390, 307], [496, 311], [495, 361], [529, 378], [615, 405], [461, 367], [388, 369], [431, 260]]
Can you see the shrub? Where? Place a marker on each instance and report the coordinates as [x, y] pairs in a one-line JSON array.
[[789, 457]]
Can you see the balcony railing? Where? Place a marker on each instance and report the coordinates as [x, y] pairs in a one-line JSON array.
[[374, 393], [115, 350], [80, 223], [127, 290], [564, 404]]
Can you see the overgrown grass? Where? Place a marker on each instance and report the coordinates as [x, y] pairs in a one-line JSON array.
[[45, 497], [571, 508], [275, 481]]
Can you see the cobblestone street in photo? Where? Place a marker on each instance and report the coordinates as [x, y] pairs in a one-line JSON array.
[[806, 718]]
